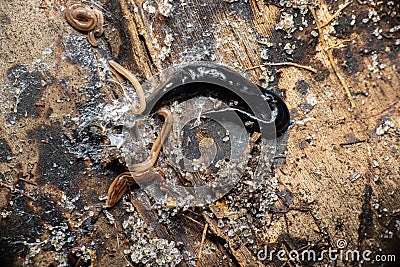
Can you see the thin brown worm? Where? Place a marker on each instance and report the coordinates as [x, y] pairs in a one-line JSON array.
[[81, 17], [117, 189], [135, 83], [151, 174], [92, 39], [155, 149], [144, 171], [84, 18], [99, 30], [120, 183]]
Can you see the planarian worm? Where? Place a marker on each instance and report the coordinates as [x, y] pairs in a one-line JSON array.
[[117, 189], [84, 18], [138, 88], [120, 183], [144, 171], [155, 149]]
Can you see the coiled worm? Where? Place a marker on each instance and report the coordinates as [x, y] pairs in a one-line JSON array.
[[121, 182], [87, 19]]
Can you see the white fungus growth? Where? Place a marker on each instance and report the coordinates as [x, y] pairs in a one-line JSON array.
[[147, 6], [166, 49], [165, 8], [286, 24], [146, 250], [376, 66], [384, 127]]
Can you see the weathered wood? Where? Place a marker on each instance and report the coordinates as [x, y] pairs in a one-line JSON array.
[[340, 178]]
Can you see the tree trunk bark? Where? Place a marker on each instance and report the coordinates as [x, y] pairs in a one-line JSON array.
[[337, 179]]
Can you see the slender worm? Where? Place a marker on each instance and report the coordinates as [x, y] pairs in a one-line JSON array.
[[138, 88], [155, 149], [99, 30], [121, 182], [84, 18], [117, 189], [144, 171]]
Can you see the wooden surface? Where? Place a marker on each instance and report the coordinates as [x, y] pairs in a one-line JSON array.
[[340, 179]]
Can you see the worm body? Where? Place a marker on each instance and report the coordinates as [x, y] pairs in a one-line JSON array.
[[121, 182], [135, 83], [81, 17], [84, 18], [155, 149], [117, 189], [144, 171]]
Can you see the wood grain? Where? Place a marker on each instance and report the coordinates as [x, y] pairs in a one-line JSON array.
[[50, 74]]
